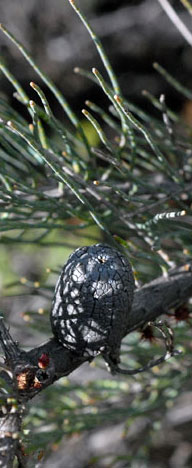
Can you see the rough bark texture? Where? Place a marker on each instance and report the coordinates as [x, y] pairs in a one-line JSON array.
[[29, 376], [160, 295], [150, 301]]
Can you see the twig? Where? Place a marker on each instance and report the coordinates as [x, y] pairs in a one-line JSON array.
[[31, 372], [150, 301], [176, 20], [161, 294]]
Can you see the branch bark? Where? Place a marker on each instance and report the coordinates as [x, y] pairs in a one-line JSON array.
[[160, 295], [27, 373], [150, 301]]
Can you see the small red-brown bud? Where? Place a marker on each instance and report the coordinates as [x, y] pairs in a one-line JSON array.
[[43, 361]]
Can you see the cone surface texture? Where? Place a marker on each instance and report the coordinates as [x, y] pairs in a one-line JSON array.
[[92, 300]]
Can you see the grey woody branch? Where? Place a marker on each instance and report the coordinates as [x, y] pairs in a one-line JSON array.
[[32, 374], [160, 295], [27, 373]]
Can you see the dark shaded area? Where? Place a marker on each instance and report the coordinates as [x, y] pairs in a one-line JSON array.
[[134, 34]]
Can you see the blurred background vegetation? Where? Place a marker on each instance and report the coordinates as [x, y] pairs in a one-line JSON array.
[[126, 174]]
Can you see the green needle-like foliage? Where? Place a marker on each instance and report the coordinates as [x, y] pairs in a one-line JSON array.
[[122, 196], [135, 187]]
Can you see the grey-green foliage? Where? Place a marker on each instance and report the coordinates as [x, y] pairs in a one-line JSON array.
[[139, 197], [147, 170]]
